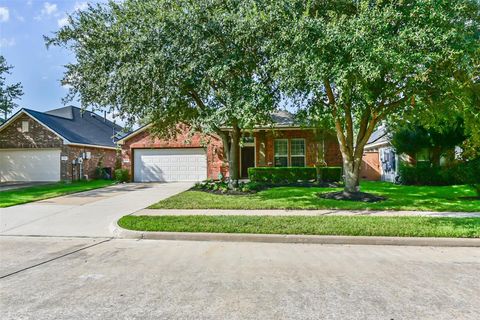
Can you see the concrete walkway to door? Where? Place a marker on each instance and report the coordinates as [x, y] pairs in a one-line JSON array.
[[84, 214]]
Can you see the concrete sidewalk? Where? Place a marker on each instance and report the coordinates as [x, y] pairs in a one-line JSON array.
[[384, 213]]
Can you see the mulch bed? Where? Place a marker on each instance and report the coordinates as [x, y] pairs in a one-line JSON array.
[[269, 186], [228, 192], [352, 196]]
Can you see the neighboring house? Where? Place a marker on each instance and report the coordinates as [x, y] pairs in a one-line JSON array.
[[196, 157], [380, 161], [61, 144]]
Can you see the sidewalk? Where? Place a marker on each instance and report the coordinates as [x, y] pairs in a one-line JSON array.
[[384, 213]]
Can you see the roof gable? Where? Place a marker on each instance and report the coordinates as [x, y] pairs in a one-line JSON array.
[[75, 126]]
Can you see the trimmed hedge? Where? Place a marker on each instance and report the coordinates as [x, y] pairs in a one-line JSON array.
[[330, 174], [424, 174], [280, 175]]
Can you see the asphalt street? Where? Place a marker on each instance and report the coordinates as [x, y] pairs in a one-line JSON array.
[[102, 278]]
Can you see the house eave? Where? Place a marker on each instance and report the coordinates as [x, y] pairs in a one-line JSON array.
[[134, 133], [90, 145], [23, 111]]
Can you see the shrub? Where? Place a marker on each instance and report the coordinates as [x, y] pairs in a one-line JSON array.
[[103, 173], [424, 174], [329, 174], [222, 186], [122, 175], [281, 174]]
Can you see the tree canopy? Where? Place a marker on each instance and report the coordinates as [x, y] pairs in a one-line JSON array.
[[358, 62], [8, 93], [170, 61], [213, 63], [412, 138]]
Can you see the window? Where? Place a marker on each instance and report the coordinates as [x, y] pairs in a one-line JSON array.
[[24, 126], [281, 152], [297, 151]]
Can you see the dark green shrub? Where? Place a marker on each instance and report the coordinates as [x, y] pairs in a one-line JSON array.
[[280, 175], [330, 174], [122, 175], [103, 173], [424, 174]]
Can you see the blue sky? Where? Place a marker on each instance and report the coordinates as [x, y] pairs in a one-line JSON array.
[[22, 26]]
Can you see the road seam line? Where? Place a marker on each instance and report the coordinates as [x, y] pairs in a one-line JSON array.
[[53, 259]]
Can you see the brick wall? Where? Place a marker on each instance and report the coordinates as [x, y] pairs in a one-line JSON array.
[[265, 146], [68, 170], [212, 145], [37, 136]]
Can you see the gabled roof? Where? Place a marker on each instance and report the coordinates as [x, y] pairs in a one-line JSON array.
[[378, 137], [281, 119], [75, 126]]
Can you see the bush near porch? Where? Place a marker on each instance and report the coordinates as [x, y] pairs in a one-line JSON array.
[[285, 175]]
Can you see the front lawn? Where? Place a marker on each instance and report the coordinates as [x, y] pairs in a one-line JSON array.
[[420, 198], [23, 195], [310, 225]]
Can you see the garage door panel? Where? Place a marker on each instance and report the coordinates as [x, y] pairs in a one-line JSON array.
[[170, 165], [30, 165]]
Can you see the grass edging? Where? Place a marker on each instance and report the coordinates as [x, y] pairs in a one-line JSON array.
[[370, 226], [13, 197]]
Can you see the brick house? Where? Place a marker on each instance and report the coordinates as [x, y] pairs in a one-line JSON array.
[[61, 144], [196, 157]]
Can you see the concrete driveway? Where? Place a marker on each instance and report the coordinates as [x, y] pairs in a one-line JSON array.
[[85, 214]]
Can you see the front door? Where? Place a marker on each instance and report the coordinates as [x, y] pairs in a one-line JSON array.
[[247, 160]]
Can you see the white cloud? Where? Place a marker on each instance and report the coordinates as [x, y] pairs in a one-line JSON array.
[[62, 22], [4, 14], [80, 6], [49, 9], [7, 42]]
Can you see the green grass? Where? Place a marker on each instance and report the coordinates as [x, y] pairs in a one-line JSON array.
[[23, 195], [419, 198], [310, 225]]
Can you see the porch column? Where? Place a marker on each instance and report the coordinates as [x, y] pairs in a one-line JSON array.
[[261, 145]]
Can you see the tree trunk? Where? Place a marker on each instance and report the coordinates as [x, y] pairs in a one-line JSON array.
[[226, 146], [436, 153], [233, 165], [351, 171]]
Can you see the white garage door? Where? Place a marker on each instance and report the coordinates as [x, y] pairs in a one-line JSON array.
[[165, 165], [30, 165]]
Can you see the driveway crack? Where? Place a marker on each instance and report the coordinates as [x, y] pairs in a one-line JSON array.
[[55, 258]]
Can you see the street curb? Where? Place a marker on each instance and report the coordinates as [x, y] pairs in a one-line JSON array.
[[119, 232]]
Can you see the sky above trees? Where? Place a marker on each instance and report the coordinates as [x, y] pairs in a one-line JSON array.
[[23, 23]]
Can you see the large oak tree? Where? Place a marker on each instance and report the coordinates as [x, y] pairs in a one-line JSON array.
[[172, 61], [358, 62]]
